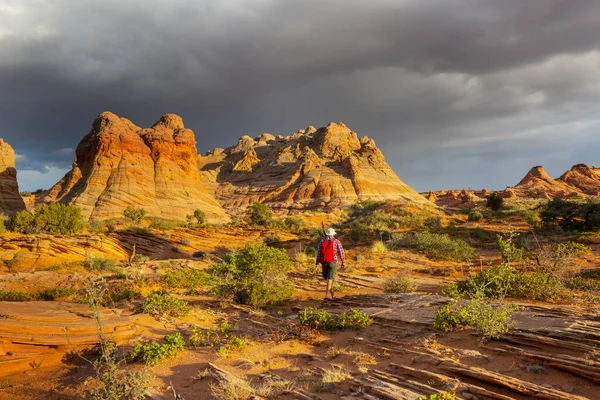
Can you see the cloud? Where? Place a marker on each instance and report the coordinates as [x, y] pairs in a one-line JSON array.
[[457, 93]]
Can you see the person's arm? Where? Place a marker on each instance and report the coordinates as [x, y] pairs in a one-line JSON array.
[[341, 253]]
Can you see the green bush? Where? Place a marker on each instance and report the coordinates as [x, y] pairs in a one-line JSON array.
[[322, 320], [256, 275], [151, 352], [491, 320], [162, 224], [433, 223], [532, 218], [232, 343], [536, 286], [10, 295], [160, 304], [439, 396], [358, 231], [434, 246], [100, 264], [56, 294], [134, 214], [363, 208], [494, 201], [185, 279], [510, 252], [292, 224], [475, 216], [259, 214], [54, 218], [571, 215]]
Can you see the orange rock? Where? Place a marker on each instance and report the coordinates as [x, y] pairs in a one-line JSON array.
[[328, 167], [10, 199], [119, 164], [585, 179]]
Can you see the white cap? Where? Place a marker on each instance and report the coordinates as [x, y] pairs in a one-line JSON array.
[[330, 232]]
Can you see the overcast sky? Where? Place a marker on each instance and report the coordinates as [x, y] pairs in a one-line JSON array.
[[456, 93]]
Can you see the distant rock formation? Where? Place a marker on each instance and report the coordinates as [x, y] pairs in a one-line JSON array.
[[10, 199], [537, 183], [329, 167], [119, 164], [585, 179]]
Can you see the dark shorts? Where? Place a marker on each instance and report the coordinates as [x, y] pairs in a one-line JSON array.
[[329, 270]]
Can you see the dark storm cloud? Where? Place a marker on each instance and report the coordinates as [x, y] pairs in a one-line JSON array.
[[456, 92]]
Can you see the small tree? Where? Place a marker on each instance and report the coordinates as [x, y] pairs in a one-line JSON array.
[[135, 215], [259, 214], [495, 202], [55, 218], [200, 217], [256, 275]]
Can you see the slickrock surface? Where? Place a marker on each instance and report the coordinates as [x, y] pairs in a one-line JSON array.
[[42, 332], [119, 164], [10, 200], [329, 167]]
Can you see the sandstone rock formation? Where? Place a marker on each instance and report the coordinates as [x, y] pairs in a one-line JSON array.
[[329, 167], [10, 199], [537, 183], [585, 179], [119, 164]]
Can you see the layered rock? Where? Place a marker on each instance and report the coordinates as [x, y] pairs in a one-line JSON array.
[[537, 183], [329, 167], [119, 164], [583, 178], [10, 199]]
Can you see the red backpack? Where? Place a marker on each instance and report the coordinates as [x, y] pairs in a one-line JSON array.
[[327, 251]]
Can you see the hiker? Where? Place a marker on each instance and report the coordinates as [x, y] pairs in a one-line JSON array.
[[328, 252]]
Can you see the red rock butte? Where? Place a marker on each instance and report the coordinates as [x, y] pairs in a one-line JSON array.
[[313, 168], [119, 164], [10, 199]]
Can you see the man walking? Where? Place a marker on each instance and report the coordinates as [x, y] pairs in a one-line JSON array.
[[328, 252]]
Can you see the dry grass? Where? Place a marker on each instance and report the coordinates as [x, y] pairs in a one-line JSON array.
[[378, 247], [233, 389], [335, 374], [359, 356]]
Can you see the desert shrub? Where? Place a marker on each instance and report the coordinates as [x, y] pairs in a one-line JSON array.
[[100, 264], [123, 293], [532, 218], [12, 295], [162, 224], [475, 216], [56, 294], [95, 226], [199, 254], [433, 223], [301, 257], [479, 233], [509, 250], [358, 231], [536, 286], [186, 242], [434, 246], [292, 224], [363, 208], [159, 303], [400, 283], [4, 221], [185, 279], [570, 215], [152, 352], [54, 218], [134, 214], [256, 275], [54, 267], [272, 239], [491, 320], [259, 214], [439, 396], [23, 222], [321, 320], [232, 343], [209, 337], [494, 201], [557, 259]]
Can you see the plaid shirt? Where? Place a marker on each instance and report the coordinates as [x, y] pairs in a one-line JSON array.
[[337, 247]]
